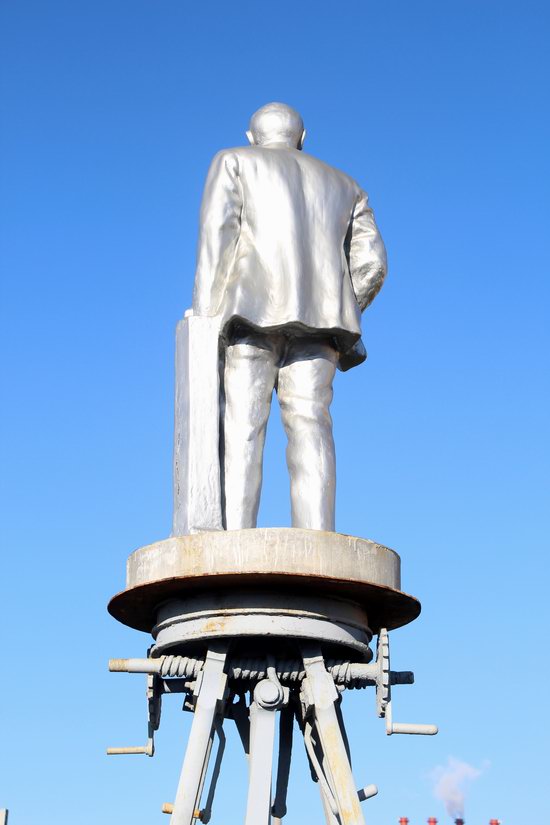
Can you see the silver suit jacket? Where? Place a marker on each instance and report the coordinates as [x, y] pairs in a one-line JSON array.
[[286, 242]]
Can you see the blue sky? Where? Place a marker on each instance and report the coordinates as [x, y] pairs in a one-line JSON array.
[[111, 112]]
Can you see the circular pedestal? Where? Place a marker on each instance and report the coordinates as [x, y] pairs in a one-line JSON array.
[[285, 565]]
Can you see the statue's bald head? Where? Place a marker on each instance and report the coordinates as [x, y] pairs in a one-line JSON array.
[[276, 123]]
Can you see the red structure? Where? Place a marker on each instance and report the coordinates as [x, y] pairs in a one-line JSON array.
[[433, 821]]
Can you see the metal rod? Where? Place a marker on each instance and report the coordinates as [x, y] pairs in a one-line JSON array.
[[351, 674], [325, 788], [207, 812], [407, 727], [419, 730]]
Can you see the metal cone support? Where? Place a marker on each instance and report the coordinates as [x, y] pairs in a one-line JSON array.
[[307, 689]]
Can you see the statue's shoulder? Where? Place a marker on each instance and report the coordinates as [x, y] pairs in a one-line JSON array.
[[332, 171], [235, 152], [231, 159], [222, 156]]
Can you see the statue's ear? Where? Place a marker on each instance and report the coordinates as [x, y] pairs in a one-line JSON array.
[[250, 137], [302, 139]]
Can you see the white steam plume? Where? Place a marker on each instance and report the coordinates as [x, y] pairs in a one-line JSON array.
[[450, 781]]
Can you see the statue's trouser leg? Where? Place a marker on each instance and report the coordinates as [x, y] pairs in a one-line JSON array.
[[249, 378], [305, 394]]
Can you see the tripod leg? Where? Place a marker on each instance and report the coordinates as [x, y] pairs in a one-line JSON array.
[[262, 737], [211, 692], [322, 695], [286, 722]]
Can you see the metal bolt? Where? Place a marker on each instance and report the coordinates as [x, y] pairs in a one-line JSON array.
[[367, 792], [268, 694]]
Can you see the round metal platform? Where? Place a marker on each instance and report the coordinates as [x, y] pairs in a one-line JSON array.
[[278, 560]]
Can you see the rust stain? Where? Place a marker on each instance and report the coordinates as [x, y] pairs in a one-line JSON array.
[[349, 807], [215, 625]]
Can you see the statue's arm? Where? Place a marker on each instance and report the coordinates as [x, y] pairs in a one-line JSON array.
[[220, 220], [366, 253]]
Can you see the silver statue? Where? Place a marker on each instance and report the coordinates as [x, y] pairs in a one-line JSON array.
[[289, 256]]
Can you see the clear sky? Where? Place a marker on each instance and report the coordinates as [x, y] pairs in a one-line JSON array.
[[111, 112]]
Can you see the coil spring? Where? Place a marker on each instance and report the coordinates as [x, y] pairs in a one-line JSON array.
[[182, 666], [288, 670]]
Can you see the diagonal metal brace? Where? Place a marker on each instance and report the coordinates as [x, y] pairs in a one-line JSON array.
[[321, 696], [211, 692]]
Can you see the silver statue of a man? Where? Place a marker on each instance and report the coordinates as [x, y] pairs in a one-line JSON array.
[[289, 256]]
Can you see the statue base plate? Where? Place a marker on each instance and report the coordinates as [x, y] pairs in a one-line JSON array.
[[290, 564]]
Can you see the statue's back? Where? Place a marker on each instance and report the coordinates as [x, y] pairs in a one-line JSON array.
[[288, 264]]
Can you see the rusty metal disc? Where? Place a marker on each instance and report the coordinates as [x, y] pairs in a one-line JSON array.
[[283, 560]]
